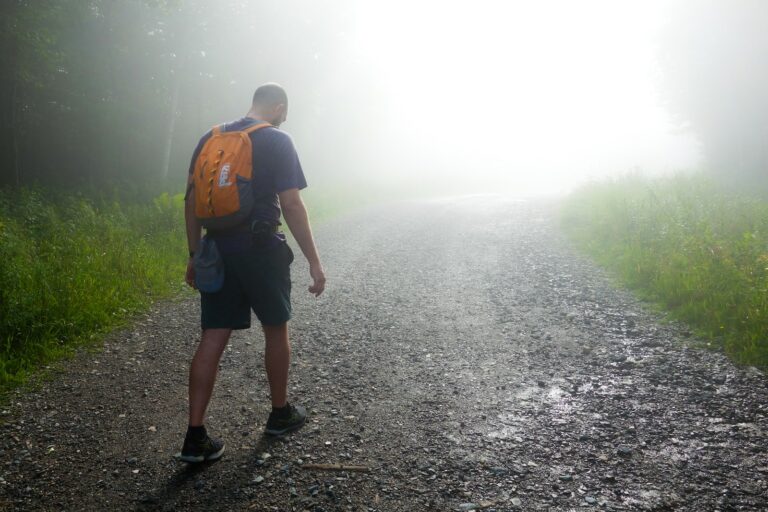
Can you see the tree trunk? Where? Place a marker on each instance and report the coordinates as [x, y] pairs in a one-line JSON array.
[[15, 134], [171, 124]]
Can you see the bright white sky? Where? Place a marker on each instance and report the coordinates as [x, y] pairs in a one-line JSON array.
[[532, 95]]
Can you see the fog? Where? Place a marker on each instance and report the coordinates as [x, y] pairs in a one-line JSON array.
[[521, 97], [526, 97], [530, 96]]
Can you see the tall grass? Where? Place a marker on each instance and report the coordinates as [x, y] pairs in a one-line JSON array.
[[690, 246], [71, 268]]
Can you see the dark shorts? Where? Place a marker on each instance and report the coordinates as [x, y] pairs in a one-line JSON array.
[[254, 279]]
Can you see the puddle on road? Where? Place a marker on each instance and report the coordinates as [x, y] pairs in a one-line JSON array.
[[556, 400], [513, 425]]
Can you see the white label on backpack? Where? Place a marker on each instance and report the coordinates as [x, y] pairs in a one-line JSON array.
[[224, 176]]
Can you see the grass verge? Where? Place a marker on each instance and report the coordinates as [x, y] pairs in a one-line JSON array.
[[72, 269], [698, 251]]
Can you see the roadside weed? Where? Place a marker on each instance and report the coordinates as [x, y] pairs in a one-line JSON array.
[[695, 249], [73, 268]]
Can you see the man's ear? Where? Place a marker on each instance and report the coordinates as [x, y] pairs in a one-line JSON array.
[[280, 113]]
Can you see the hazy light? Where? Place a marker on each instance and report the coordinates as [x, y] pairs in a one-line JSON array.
[[532, 95]]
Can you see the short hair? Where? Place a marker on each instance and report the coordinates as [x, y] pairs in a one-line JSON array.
[[269, 95]]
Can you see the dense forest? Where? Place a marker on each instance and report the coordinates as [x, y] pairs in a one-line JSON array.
[[115, 94]]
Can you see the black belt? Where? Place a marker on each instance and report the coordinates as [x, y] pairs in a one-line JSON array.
[[255, 228]]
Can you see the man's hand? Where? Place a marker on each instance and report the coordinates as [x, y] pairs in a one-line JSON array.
[[190, 276], [295, 215], [318, 280]]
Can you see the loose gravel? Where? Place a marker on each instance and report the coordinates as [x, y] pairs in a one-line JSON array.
[[463, 352]]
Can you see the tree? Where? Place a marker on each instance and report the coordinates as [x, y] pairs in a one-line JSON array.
[[114, 94], [28, 60], [713, 58]]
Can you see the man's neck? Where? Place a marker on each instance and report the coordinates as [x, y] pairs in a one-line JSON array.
[[258, 116]]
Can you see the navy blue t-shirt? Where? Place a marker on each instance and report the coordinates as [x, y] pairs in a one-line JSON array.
[[276, 168]]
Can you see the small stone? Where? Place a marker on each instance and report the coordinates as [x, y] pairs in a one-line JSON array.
[[566, 478], [293, 492], [152, 428], [517, 502], [258, 479], [590, 500], [135, 471], [132, 460], [624, 450], [199, 485], [467, 506]]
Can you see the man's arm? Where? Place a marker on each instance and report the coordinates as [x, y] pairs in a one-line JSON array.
[[194, 230], [295, 215]]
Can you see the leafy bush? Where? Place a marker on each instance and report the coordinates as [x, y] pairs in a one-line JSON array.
[[687, 244], [72, 267]]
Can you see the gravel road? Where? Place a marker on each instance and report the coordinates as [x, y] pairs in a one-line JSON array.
[[463, 352]]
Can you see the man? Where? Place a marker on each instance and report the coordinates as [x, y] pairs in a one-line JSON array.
[[256, 260]]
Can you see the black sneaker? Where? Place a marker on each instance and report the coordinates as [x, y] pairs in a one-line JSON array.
[[278, 425], [200, 450]]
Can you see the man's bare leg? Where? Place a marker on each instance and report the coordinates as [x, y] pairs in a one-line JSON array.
[[277, 359], [202, 373]]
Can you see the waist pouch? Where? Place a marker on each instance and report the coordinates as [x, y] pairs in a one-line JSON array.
[[209, 267]]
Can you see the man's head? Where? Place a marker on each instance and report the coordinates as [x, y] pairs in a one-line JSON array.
[[270, 104]]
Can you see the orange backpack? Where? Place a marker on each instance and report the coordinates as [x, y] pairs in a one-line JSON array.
[[222, 178]]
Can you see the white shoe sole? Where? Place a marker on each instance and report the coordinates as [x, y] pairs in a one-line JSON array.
[[275, 432], [200, 458]]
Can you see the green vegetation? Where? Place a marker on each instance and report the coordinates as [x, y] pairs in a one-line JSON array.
[[73, 268], [698, 251]]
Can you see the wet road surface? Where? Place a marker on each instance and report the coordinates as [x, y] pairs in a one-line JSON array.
[[463, 352]]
